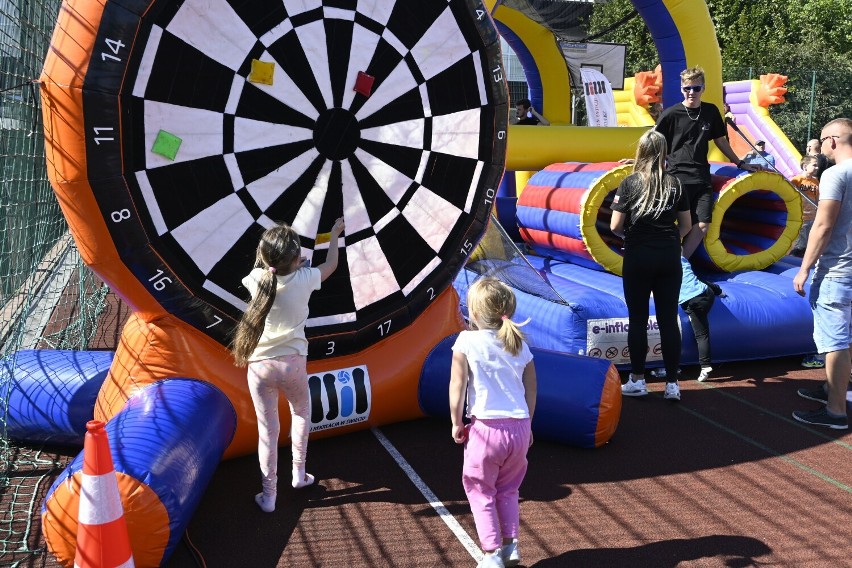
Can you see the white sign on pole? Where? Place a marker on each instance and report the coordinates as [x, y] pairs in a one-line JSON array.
[[600, 102]]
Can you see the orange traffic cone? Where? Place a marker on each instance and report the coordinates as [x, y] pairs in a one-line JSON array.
[[102, 540]]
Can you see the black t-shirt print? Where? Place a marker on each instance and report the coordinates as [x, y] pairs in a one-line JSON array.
[[688, 133], [647, 229]]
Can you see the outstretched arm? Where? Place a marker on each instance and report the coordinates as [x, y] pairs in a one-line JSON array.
[[530, 390], [458, 385], [826, 217], [330, 264], [725, 146]]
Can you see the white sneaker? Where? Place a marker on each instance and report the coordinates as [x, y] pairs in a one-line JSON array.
[[491, 560], [634, 388], [510, 553], [672, 391], [704, 374]]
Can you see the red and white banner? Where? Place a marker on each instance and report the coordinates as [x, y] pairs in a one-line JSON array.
[[600, 102]]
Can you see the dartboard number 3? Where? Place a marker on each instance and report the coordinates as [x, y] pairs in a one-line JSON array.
[[102, 130], [114, 46], [384, 328], [330, 350], [160, 281]]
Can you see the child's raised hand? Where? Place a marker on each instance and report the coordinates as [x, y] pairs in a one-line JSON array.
[[338, 228]]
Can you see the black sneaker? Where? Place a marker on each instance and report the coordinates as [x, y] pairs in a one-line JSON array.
[[822, 418], [816, 395]]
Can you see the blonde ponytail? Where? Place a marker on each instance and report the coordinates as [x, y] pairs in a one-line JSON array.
[[492, 304]]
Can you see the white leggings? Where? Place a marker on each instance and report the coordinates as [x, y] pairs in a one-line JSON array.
[[265, 379]]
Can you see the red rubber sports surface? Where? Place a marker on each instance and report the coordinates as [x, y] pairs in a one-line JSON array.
[[724, 478]]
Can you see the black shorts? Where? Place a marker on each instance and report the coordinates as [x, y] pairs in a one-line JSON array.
[[700, 201]]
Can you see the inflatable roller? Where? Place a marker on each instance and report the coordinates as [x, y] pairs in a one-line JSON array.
[[564, 213], [578, 402], [52, 394], [166, 444], [756, 219]]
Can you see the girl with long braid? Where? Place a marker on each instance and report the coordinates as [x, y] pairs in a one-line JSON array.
[[270, 339], [651, 213]]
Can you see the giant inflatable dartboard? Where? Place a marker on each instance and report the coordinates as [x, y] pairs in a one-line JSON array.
[[207, 121]]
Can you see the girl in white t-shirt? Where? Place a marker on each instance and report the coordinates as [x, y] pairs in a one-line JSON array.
[[270, 339], [493, 366]]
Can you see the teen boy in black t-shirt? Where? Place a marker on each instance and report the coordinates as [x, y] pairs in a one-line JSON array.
[[689, 127]]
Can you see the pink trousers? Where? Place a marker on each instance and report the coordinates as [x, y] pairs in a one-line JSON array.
[[266, 378], [495, 462]]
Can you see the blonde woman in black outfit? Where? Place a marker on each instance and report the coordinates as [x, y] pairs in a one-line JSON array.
[[651, 213]]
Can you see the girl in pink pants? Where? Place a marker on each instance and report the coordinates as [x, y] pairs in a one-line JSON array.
[[492, 368], [270, 339]]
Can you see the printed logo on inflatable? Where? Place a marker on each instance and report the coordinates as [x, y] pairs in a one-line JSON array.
[[339, 398]]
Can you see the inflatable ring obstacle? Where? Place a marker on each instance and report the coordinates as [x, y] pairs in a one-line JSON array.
[[756, 219], [564, 213]]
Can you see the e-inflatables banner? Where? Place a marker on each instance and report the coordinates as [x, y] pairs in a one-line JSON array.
[[600, 102]]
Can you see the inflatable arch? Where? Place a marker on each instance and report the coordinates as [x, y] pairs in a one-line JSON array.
[[563, 214], [684, 35]]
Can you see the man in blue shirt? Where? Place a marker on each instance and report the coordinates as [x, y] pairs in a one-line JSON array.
[[761, 158]]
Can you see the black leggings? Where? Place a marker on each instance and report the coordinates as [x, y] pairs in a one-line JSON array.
[[697, 309], [653, 269]]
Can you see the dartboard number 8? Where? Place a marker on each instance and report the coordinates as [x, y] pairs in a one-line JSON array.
[[212, 120]]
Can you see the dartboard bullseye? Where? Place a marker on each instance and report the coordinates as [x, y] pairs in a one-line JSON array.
[[209, 120]]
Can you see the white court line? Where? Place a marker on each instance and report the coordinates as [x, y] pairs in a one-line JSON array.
[[439, 507]]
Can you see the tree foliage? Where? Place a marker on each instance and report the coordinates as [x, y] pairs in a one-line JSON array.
[[809, 41]]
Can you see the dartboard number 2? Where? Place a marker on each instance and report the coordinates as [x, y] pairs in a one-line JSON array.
[[114, 46], [103, 129], [160, 281]]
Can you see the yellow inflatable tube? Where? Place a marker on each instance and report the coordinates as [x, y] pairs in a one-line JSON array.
[[536, 147]]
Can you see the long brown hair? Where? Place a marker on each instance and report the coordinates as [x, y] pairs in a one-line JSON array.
[[491, 303], [278, 248]]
